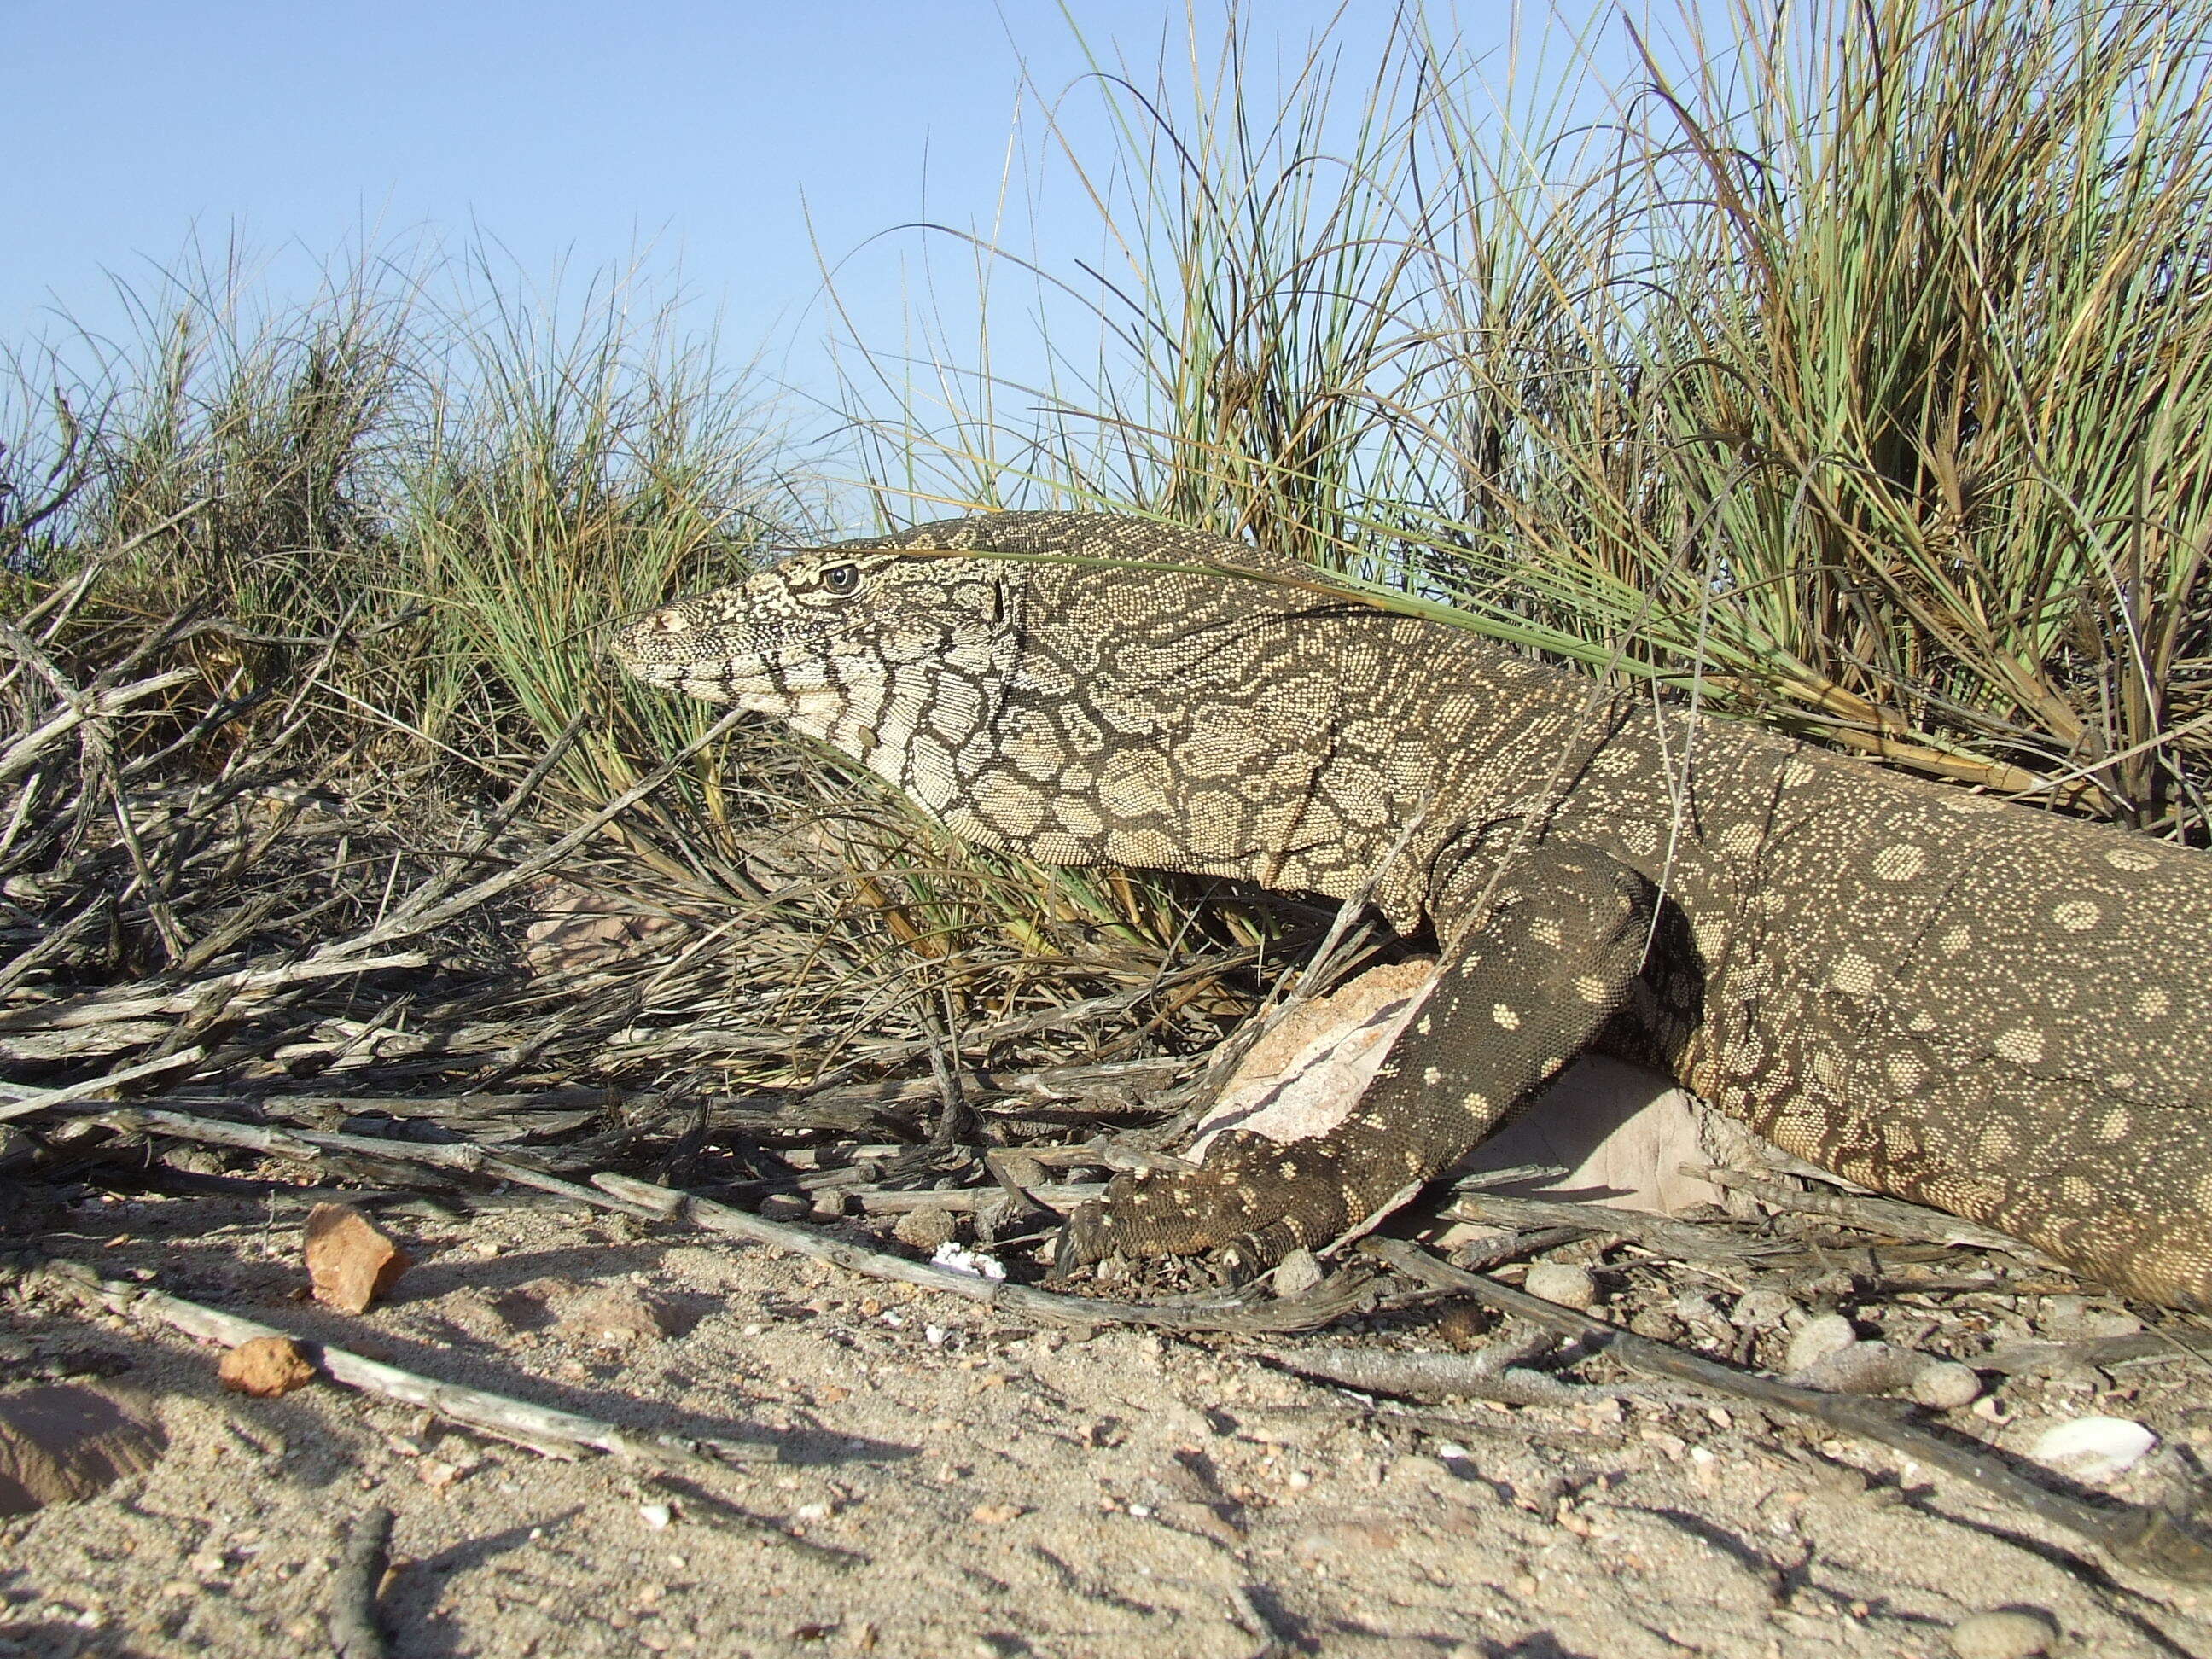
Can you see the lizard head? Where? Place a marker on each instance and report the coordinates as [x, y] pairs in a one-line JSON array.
[[820, 633]]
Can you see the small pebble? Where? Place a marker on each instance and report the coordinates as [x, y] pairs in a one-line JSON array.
[[925, 1229], [655, 1516], [1555, 1281], [1761, 1311], [1295, 1274], [2006, 1633], [1658, 1324], [1816, 1339], [1945, 1385]]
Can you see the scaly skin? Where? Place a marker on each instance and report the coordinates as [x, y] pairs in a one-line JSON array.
[[1929, 991]]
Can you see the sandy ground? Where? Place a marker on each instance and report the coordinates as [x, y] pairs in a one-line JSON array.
[[999, 1490]]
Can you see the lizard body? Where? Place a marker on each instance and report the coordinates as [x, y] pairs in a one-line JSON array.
[[1929, 991]]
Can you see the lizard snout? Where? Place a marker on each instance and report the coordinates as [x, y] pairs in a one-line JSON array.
[[655, 638]]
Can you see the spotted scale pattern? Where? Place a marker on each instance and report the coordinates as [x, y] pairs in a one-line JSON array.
[[1928, 991]]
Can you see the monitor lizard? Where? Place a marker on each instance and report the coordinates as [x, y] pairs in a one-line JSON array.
[[1929, 991]]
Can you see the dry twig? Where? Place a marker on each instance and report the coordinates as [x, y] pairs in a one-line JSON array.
[[355, 1585], [1326, 1302], [1890, 1215], [544, 1429], [2159, 1541], [1684, 1240]]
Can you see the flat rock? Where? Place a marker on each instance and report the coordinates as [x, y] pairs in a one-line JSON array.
[[574, 930], [1621, 1133], [60, 1444], [1348, 1537], [351, 1262], [2005, 1633], [2079, 1319]]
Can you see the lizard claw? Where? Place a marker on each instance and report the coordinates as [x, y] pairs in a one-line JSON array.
[[1085, 1238]]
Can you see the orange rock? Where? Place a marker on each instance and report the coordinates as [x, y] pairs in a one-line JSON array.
[[352, 1263], [265, 1367]]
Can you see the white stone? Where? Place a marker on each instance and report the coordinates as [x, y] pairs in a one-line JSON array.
[[2092, 1448]]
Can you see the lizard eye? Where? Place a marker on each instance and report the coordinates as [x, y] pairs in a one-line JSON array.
[[842, 579]]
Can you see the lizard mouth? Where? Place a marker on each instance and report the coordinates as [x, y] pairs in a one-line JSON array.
[[673, 649]]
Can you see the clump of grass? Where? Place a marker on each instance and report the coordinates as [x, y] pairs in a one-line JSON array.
[[389, 525], [222, 456], [1852, 368]]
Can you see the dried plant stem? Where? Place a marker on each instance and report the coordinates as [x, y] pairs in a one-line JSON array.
[[2154, 1540], [1331, 1300], [28, 1101], [542, 1428], [1685, 1240], [354, 1632], [312, 1145], [1891, 1216]]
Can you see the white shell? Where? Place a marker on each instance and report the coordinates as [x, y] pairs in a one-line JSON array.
[[974, 1263], [2092, 1448]]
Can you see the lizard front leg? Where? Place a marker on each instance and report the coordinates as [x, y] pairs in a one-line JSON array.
[[1551, 959]]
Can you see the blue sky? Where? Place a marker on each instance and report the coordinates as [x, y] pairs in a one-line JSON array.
[[696, 136]]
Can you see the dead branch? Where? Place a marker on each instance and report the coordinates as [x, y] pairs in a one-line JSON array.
[[1479, 1375], [2158, 1540], [2014, 1359], [355, 1585], [1684, 1240], [28, 1101], [1891, 1216], [544, 1429]]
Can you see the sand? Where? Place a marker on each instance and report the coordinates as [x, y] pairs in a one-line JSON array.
[[988, 1488]]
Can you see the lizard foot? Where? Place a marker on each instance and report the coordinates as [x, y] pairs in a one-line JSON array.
[[1253, 1201]]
